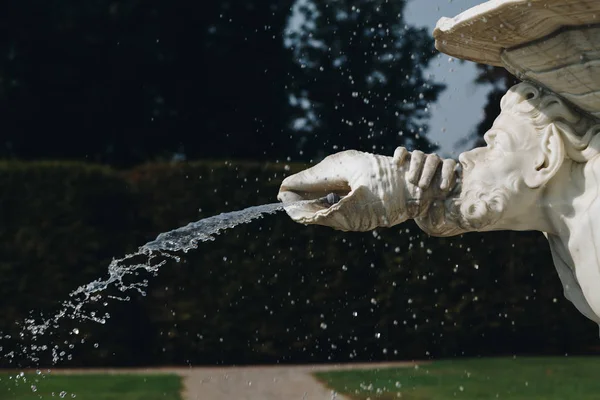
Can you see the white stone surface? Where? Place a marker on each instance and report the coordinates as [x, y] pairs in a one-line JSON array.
[[483, 32]]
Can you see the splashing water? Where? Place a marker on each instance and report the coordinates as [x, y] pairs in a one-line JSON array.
[[180, 239]]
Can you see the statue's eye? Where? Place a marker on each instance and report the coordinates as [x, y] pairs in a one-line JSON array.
[[503, 141], [489, 138]]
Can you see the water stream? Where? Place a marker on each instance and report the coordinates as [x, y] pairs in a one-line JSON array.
[[148, 258]]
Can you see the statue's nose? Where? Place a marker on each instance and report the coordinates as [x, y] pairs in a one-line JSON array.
[[464, 160], [468, 158]]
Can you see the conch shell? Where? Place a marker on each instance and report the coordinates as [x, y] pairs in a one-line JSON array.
[[373, 191]]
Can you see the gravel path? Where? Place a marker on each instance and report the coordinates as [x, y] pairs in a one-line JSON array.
[[255, 383], [249, 383]]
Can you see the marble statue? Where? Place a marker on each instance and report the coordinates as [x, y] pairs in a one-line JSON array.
[[539, 170]]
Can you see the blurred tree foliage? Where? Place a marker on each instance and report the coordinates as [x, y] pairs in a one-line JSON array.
[[359, 81], [125, 81], [269, 291]]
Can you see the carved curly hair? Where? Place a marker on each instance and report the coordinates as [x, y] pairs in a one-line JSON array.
[[579, 131]]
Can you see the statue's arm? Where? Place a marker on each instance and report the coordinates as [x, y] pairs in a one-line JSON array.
[[374, 191]]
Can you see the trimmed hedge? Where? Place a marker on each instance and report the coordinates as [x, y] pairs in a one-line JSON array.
[[272, 290]]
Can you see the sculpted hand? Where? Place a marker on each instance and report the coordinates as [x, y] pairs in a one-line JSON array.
[[370, 190], [423, 168], [423, 171]]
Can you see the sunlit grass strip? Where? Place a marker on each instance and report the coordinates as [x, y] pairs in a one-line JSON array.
[[90, 387], [517, 378]]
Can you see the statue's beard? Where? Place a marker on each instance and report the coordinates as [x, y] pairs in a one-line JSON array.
[[480, 205]]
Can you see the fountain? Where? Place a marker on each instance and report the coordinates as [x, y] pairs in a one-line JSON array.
[[537, 172], [540, 168]]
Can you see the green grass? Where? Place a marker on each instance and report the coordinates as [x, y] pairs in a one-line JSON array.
[[505, 378], [90, 387]]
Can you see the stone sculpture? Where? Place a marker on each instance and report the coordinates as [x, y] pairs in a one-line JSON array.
[[540, 169]]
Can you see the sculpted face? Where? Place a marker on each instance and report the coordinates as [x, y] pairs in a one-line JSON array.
[[493, 188]]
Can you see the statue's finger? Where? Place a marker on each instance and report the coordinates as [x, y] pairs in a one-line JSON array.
[[448, 175], [416, 165], [400, 155], [431, 164]]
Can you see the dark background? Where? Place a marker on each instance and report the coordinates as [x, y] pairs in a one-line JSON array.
[[124, 82], [124, 119]]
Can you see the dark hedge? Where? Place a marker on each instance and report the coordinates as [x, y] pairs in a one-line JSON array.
[[269, 291]]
